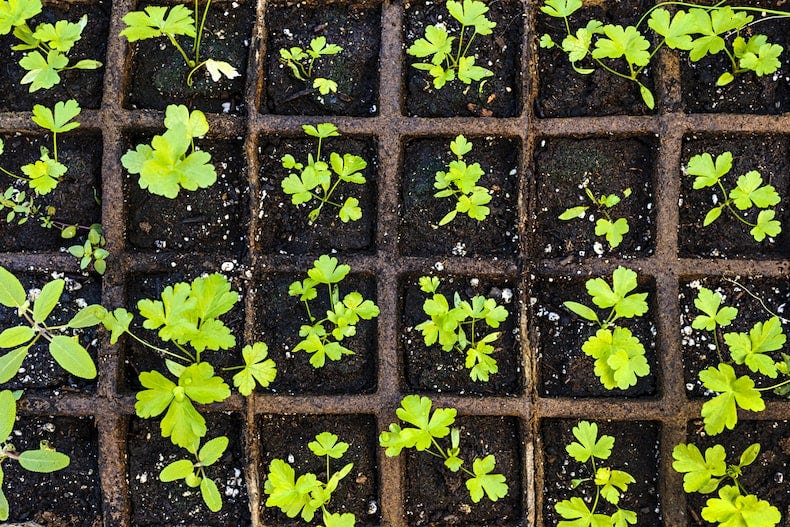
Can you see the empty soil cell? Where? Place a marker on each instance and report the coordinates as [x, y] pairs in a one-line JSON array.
[[558, 335], [69, 497], [430, 369], [85, 86], [355, 26], [748, 93], [76, 198], [156, 73], [436, 497], [728, 237], [565, 166], [209, 220], [499, 52], [286, 437], [279, 318], [766, 477], [699, 347], [562, 92], [420, 212], [155, 503], [635, 450], [39, 370], [285, 228]]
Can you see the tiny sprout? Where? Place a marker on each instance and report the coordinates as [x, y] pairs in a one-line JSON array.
[[460, 182], [612, 229], [302, 61]]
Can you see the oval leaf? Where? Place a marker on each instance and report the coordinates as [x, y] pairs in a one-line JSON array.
[[210, 493], [47, 300], [581, 310], [87, 316], [13, 337], [176, 470], [43, 460], [10, 363], [12, 294], [72, 357], [7, 414], [212, 450]]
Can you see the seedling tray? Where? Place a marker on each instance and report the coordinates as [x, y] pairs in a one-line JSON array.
[[537, 138]]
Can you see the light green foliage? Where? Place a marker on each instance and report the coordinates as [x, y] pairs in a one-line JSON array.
[[257, 368], [306, 494], [92, 251], [302, 61], [613, 229], [734, 392], [322, 338], [427, 427], [194, 472], [460, 182], [447, 63], [317, 180], [714, 316], [619, 355], [610, 484], [460, 327]]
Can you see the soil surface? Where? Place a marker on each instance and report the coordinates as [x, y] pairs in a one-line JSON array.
[[499, 52], [420, 212], [354, 26]]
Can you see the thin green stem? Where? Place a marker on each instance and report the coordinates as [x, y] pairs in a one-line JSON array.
[[613, 71], [309, 315], [11, 174], [460, 44], [55, 145], [468, 45], [200, 31], [327, 468], [192, 72], [762, 303], [774, 386], [158, 349], [173, 41]]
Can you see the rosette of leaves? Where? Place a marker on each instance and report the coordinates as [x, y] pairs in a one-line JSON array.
[[302, 61], [194, 472], [427, 428], [609, 227], [322, 338], [449, 56], [749, 194], [306, 495], [459, 181], [459, 328], [317, 180], [619, 355], [172, 161], [610, 484], [734, 504]]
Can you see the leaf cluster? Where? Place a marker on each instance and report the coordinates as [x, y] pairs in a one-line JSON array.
[[459, 181], [194, 472], [301, 62], [609, 227]]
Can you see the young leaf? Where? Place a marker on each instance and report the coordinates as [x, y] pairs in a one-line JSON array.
[[416, 410], [493, 485], [766, 226], [765, 61], [87, 317], [734, 392], [12, 294], [211, 451], [628, 43], [47, 299], [751, 191], [625, 305], [471, 14], [326, 444], [72, 357], [218, 68], [677, 33], [708, 173], [210, 494], [154, 21], [63, 35], [117, 322], [751, 349], [58, 121], [733, 509], [437, 42], [612, 483], [576, 510], [10, 363], [708, 302], [581, 310], [42, 73], [288, 494], [176, 470], [16, 336], [16, 13], [43, 460], [327, 271], [612, 230], [7, 414], [257, 367], [561, 8], [699, 474], [589, 444]]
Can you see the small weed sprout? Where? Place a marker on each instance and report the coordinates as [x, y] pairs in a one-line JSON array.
[[302, 61], [194, 472], [460, 182], [613, 229]]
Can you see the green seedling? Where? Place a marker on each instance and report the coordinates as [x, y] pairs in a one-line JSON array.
[[735, 505], [316, 180], [613, 229], [619, 355], [423, 435], [157, 21], [92, 251], [460, 182], [459, 328], [445, 62], [45, 459], [47, 46], [172, 161], [748, 194], [322, 338], [610, 484], [194, 472], [305, 495], [301, 62]]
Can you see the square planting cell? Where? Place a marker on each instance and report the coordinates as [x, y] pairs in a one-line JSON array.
[[431, 369], [286, 437], [155, 503], [499, 52], [420, 212], [71, 496], [285, 228], [729, 236], [156, 73], [635, 450], [558, 336], [565, 167], [85, 86], [354, 26]]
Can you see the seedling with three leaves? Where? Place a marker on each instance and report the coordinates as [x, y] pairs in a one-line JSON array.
[[302, 61], [194, 472], [613, 229], [459, 181]]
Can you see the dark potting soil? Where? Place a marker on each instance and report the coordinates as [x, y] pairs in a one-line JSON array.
[[558, 335], [499, 52], [430, 369], [156, 73], [420, 212], [286, 437], [39, 370], [158, 504], [727, 237], [562, 92], [285, 227], [436, 497], [67, 498], [356, 26], [564, 166], [279, 319], [85, 86], [635, 451], [76, 198]]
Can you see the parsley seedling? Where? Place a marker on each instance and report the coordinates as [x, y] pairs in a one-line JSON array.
[[460, 182], [301, 62], [194, 472], [612, 229], [619, 355], [422, 436]]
